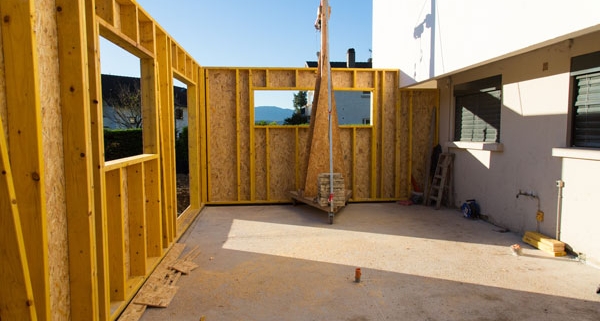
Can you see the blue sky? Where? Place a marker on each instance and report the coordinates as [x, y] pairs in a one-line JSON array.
[[260, 33]]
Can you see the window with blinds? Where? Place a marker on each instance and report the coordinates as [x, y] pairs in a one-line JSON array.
[[586, 101], [477, 110]]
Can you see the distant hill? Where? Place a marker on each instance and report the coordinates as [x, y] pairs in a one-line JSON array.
[[272, 114]]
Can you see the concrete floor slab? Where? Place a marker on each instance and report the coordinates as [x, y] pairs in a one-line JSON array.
[[283, 262]]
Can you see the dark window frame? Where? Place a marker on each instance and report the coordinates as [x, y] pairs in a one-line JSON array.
[[584, 120], [477, 106]]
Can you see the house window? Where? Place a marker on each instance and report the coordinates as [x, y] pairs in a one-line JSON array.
[[477, 110], [178, 113], [585, 71]]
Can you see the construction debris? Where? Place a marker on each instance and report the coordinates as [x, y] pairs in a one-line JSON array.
[[160, 288]]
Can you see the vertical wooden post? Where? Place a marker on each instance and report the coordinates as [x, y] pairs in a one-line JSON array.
[[16, 293], [318, 159], [25, 140], [97, 151], [72, 50]]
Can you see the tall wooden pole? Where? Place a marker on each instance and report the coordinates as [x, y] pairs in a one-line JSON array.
[[325, 153]]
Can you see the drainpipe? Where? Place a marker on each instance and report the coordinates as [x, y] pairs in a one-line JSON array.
[[560, 184]]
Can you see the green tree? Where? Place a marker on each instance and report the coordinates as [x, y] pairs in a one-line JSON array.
[[298, 118]]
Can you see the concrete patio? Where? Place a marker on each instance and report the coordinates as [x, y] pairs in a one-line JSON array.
[[284, 262]]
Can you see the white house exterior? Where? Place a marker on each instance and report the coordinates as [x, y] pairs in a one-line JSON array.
[[530, 56]]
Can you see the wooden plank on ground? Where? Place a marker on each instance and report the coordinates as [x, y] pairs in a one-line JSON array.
[[555, 244], [527, 238], [133, 312], [183, 266], [156, 295]]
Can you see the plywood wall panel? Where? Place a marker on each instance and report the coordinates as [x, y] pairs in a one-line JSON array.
[[244, 129], [281, 162], [366, 79], [388, 134], [362, 180], [342, 79], [260, 152], [307, 78], [222, 135], [259, 78], [285, 78], [423, 106]]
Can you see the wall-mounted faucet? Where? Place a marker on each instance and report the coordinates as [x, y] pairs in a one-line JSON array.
[[530, 194]]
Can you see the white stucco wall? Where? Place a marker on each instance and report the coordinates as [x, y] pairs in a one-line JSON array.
[[530, 43], [534, 122], [468, 32]]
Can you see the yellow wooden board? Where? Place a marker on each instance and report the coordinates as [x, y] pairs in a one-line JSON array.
[[550, 242], [543, 247]]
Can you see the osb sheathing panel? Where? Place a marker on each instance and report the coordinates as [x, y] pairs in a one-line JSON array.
[[283, 166], [424, 104], [281, 78], [222, 159], [260, 159], [342, 78], [244, 133], [404, 143], [259, 78], [46, 38], [388, 134], [281, 162], [302, 155], [362, 167], [347, 143], [365, 79], [307, 78]]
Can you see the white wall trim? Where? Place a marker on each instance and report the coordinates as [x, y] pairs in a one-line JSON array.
[[577, 153], [493, 147]]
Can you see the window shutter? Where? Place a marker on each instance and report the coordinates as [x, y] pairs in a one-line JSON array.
[[478, 117], [586, 129]]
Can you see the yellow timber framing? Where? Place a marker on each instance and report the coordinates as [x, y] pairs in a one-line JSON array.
[[16, 294], [139, 193], [230, 117], [133, 200], [25, 144]]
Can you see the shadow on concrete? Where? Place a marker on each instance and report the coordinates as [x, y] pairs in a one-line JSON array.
[[287, 263]]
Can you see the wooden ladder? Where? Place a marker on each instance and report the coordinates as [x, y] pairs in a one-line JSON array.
[[441, 179]]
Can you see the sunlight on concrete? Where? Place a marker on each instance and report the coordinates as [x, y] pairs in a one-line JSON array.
[[474, 263]]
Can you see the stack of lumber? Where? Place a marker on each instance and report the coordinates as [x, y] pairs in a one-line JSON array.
[[545, 243], [323, 189], [160, 288]]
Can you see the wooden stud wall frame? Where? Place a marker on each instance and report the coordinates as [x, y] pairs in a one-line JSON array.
[[121, 214], [268, 161]]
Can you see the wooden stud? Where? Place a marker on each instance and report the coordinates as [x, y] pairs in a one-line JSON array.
[[75, 102], [382, 129], [116, 230], [193, 143], [374, 123], [25, 140], [16, 294], [237, 135], [252, 139], [136, 210], [203, 137], [97, 155], [153, 208], [167, 140], [268, 163], [410, 140]]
